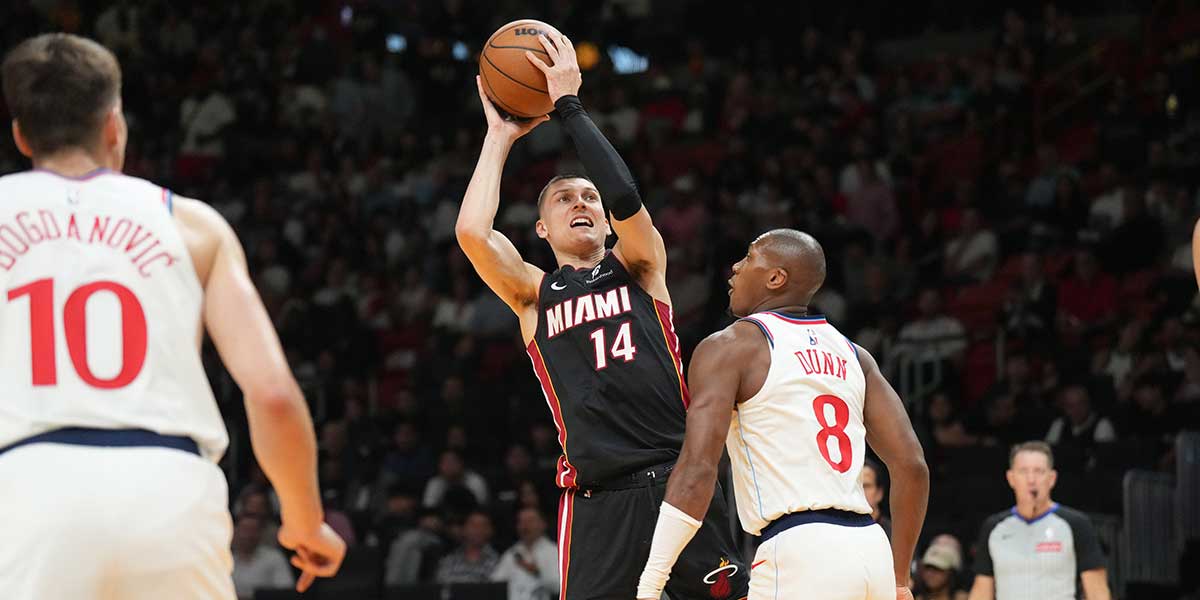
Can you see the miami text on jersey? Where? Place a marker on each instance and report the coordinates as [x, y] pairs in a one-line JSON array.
[[585, 309], [28, 230]]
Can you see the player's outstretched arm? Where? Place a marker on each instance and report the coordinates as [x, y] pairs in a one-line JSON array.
[[281, 429], [714, 382], [891, 436], [493, 255], [639, 245]]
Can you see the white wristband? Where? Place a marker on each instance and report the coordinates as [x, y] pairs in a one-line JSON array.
[[672, 533]]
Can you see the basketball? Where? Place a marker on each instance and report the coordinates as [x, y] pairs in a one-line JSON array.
[[509, 79]]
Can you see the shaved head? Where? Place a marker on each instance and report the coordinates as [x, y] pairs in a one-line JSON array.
[[801, 256], [783, 268]]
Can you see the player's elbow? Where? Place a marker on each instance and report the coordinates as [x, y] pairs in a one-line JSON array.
[[276, 397], [916, 469], [470, 233], [910, 466]]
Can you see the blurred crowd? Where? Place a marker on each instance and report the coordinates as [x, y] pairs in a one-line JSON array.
[[1015, 251]]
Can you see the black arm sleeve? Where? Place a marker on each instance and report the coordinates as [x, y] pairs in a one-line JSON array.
[[1088, 553], [600, 159]]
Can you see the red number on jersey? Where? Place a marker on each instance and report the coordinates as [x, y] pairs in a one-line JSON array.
[[42, 340], [841, 418]]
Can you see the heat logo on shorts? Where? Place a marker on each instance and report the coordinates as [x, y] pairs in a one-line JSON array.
[[718, 579]]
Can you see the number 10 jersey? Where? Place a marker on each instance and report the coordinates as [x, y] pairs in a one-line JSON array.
[[798, 443], [100, 311]]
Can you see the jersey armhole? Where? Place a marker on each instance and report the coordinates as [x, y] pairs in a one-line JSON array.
[[762, 327], [168, 200]]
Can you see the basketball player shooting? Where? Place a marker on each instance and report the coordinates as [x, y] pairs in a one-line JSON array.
[[109, 433], [794, 401], [599, 334]]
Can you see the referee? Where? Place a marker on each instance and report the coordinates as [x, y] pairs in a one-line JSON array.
[[1038, 548]]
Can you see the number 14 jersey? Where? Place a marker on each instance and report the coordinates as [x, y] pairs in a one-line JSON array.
[[798, 443], [607, 358], [99, 311]]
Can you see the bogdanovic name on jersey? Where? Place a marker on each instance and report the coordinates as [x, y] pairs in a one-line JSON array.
[[28, 230], [585, 309]]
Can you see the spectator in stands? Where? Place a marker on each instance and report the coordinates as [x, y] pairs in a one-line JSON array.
[[531, 566], [1038, 548], [412, 557], [874, 490], [1079, 425], [936, 574], [205, 117], [1029, 308], [872, 205], [474, 560], [399, 514], [452, 479], [947, 427], [972, 254], [933, 335], [1042, 189], [257, 563], [1152, 417], [409, 462], [1088, 298]]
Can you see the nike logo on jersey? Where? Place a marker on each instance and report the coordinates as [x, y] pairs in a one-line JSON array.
[[558, 287], [819, 362], [585, 309]]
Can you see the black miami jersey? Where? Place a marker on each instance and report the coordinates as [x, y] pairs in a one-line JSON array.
[[608, 361]]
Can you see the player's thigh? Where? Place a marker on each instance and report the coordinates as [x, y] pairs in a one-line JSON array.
[[54, 518], [116, 518], [711, 566], [604, 542], [181, 549], [877, 558], [822, 562]]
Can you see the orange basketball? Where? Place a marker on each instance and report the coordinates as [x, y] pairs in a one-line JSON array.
[[509, 79]]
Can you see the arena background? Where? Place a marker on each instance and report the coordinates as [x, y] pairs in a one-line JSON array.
[[1006, 194]]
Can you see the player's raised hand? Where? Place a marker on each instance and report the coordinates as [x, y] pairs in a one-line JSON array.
[[319, 553], [562, 74], [903, 593], [498, 125]]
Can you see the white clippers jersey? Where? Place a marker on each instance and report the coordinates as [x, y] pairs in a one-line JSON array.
[[99, 311], [798, 444]]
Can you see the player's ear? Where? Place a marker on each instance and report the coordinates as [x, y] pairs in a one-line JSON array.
[[22, 143], [1053, 478], [1011, 477], [540, 228], [115, 129], [777, 279]]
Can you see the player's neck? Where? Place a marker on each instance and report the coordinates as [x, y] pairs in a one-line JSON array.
[[70, 163], [580, 261], [792, 310]]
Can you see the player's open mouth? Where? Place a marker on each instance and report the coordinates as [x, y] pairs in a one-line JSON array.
[[581, 222]]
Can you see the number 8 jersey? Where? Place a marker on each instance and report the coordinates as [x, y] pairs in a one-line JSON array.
[[798, 443], [100, 311]]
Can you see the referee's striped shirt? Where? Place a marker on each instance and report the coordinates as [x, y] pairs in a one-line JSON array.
[[1038, 558]]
